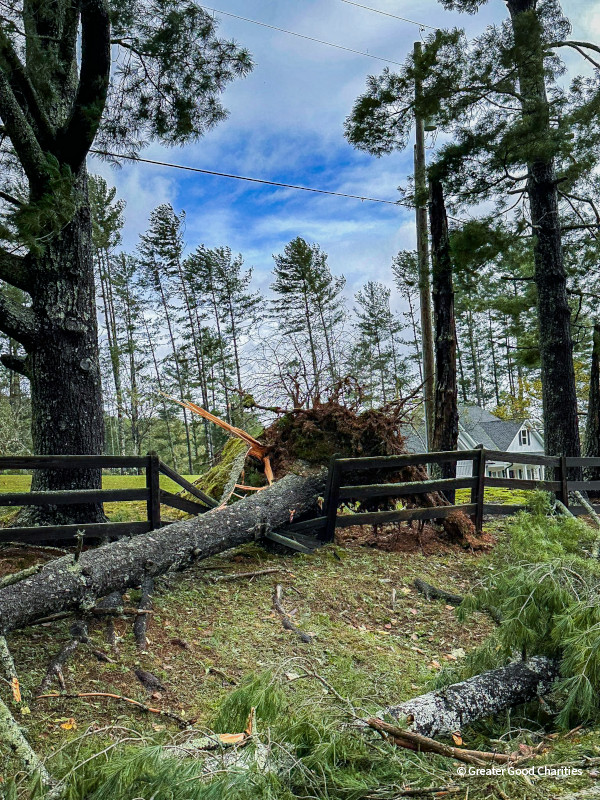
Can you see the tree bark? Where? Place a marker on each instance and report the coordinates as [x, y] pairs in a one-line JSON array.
[[63, 585], [592, 429], [559, 397], [451, 709], [445, 416], [63, 365]]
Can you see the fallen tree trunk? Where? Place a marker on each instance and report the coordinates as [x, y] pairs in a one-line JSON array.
[[449, 710], [65, 585]]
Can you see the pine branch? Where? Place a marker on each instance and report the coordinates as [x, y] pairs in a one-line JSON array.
[[17, 364], [18, 322], [24, 91], [21, 133], [581, 47], [14, 269], [77, 136]]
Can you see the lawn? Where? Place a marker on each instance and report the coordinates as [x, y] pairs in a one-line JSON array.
[[375, 640], [123, 511]]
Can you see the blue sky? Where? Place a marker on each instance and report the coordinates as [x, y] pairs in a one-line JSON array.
[[286, 124]]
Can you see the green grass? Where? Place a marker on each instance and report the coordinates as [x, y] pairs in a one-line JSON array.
[[368, 651], [500, 496], [122, 511]]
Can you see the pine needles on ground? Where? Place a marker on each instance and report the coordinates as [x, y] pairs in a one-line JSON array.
[[298, 749]]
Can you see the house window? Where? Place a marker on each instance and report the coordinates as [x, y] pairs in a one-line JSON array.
[[525, 436]]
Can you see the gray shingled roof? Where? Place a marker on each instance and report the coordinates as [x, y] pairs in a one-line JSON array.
[[485, 428], [501, 432]]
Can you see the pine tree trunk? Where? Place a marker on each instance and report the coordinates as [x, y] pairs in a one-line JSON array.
[[494, 362], [415, 332], [63, 364], [64, 586], [463, 380], [474, 360], [559, 395], [313, 352], [160, 389], [445, 422], [592, 430], [453, 708]]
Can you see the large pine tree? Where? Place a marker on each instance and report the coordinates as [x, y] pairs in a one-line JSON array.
[[74, 75], [308, 305], [520, 138]]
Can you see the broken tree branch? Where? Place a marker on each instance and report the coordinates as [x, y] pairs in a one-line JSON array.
[[431, 592], [140, 624], [285, 617], [79, 635], [15, 577], [184, 723], [10, 670], [12, 736], [448, 710], [423, 744], [257, 573]]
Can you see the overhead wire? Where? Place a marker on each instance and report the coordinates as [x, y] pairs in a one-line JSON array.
[[263, 181], [300, 35], [277, 184], [388, 14]]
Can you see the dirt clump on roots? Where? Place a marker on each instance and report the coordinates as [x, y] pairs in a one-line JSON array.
[[312, 436]]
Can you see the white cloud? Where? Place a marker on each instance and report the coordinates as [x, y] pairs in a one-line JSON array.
[[286, 124]]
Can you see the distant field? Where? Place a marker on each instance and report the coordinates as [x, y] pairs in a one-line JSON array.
[[124, 511]]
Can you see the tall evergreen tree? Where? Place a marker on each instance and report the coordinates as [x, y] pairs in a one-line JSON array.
[[517, 134], [377, 347], [61, 93], [107, 223], [160, 260], [308, 305]]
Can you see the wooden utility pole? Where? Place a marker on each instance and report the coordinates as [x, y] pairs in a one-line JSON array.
[[421, 199]]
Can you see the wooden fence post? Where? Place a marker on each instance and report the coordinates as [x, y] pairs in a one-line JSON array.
[[478, 491], [153, 486], [332, 497], [564, 485]]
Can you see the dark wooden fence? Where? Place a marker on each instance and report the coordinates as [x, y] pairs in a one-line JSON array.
[[152, 494], [341, 488]]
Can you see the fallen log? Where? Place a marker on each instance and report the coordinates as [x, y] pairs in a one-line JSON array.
[[449, 710], [64, 585]]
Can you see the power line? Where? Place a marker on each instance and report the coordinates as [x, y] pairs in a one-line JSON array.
[[300, 35], [387, 14], [243, 177]]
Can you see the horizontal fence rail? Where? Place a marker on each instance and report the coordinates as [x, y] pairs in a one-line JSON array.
[[152, 495], [341, 489]]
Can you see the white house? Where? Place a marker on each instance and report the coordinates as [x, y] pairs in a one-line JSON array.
[[479, 427]]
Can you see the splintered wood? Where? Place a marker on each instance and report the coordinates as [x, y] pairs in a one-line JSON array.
[[256, 449]]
